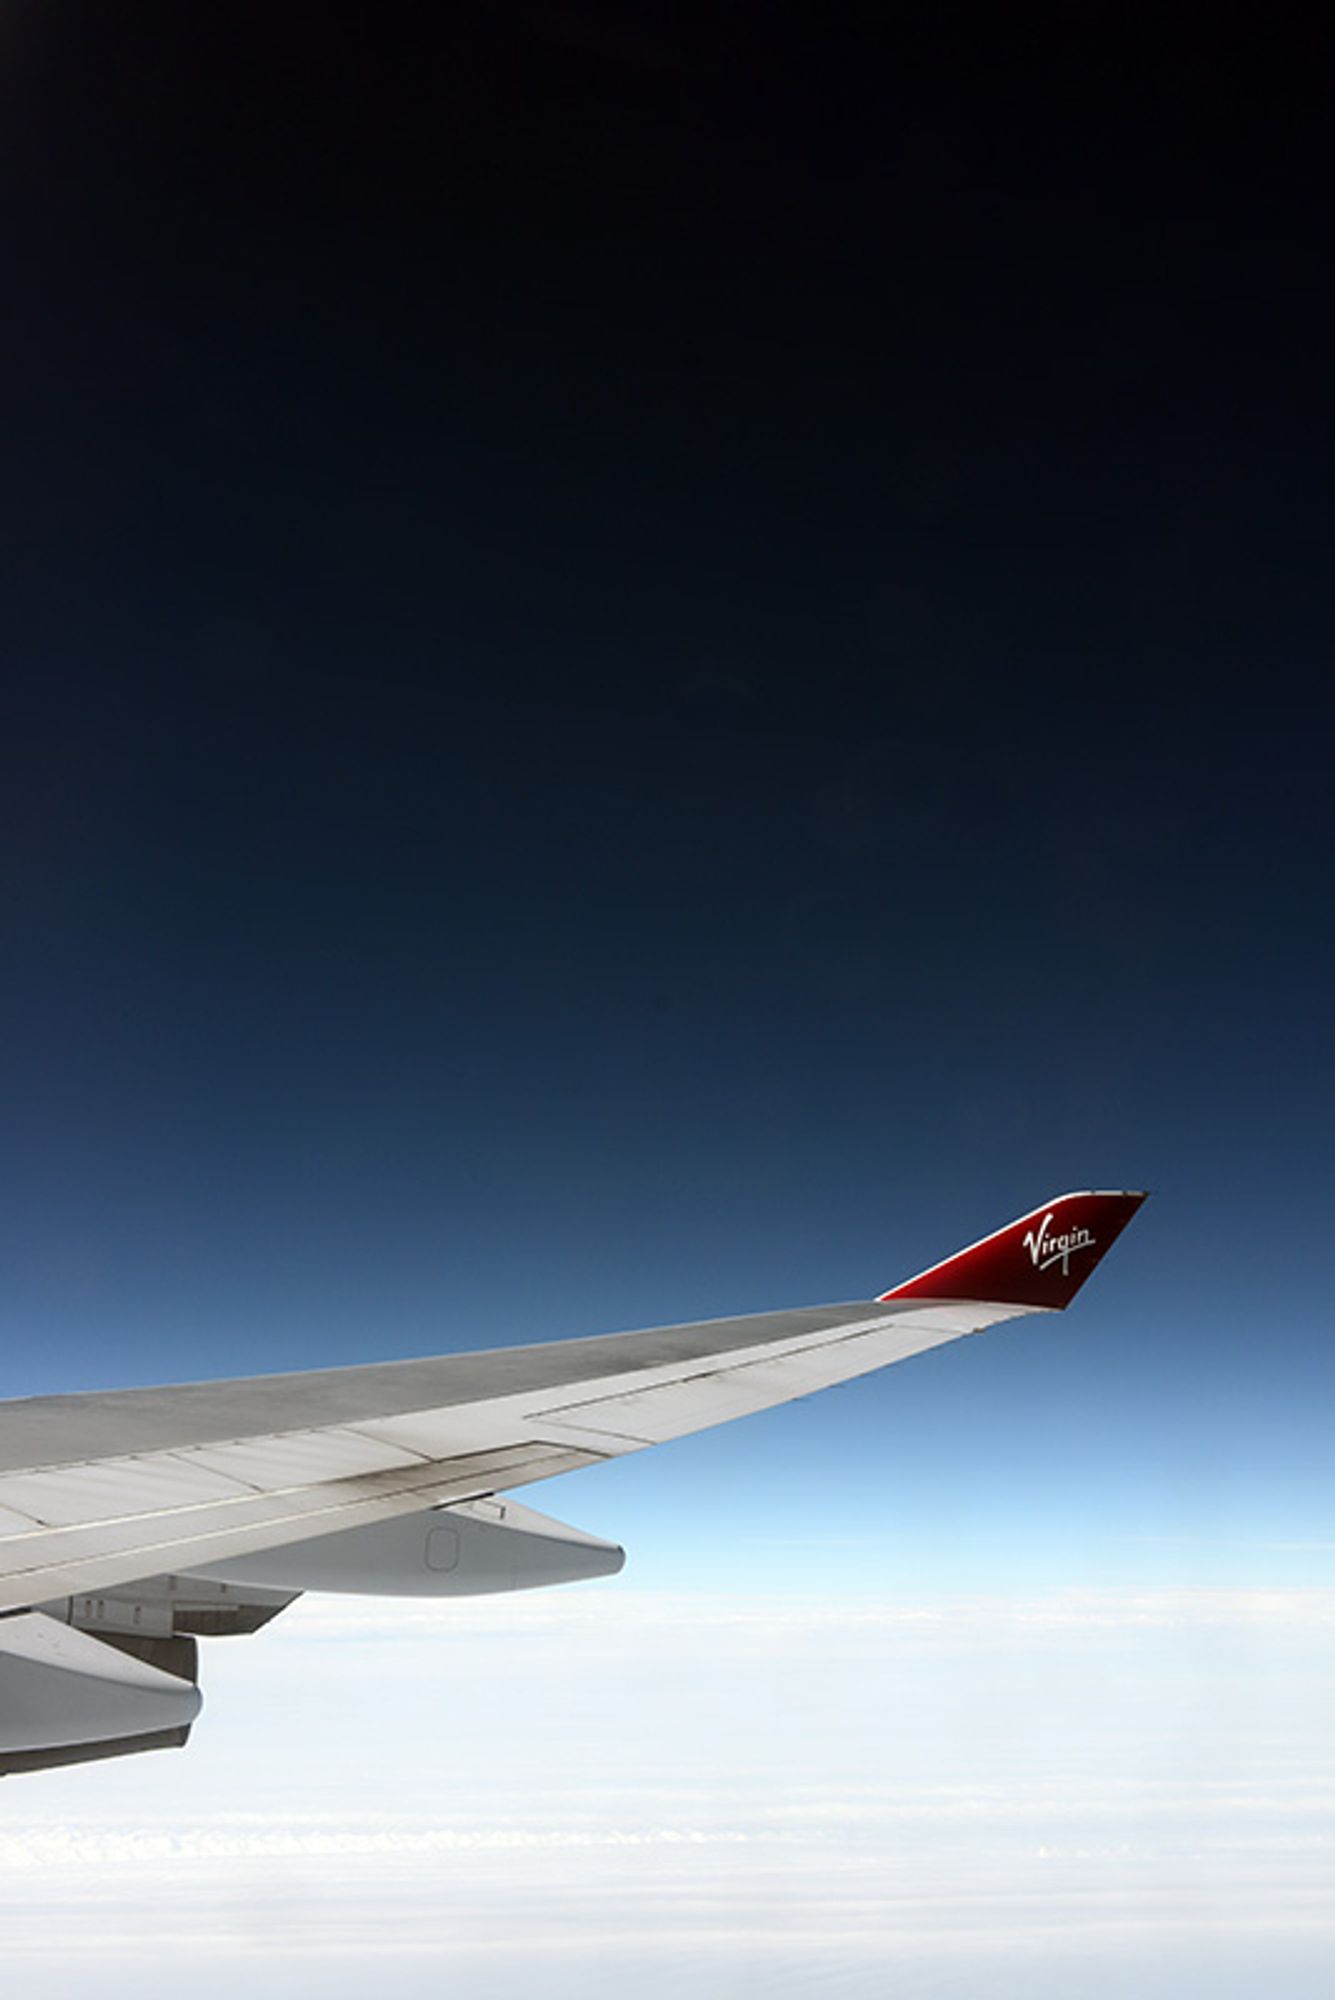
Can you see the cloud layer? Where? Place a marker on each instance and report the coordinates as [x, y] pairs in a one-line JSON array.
[[1084, 1791]]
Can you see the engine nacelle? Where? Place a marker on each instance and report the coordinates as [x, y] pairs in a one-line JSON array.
[[464, 1550], [66, 1696], [107, 1673]]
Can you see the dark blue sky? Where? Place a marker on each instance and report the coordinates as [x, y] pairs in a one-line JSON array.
[[657, 666]]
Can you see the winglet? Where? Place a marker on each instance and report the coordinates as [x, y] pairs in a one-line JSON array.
[[1040, 1261]]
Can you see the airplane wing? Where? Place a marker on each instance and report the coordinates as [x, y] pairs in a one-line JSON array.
[[144, 1516]]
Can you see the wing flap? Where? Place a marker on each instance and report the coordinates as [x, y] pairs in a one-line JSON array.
[[300, 1458]]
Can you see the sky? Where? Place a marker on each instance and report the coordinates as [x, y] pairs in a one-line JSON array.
[[661, 662]]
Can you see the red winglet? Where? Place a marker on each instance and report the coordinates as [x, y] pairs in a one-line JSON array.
[[1041, 1260]]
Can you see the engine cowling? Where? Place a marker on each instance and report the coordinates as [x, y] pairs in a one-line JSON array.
[[465, 1550], [66, 1696], [108, 1673]]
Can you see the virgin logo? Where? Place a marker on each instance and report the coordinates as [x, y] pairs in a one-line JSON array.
[[1046, 1250]]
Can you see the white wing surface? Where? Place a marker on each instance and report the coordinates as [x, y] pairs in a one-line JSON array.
[[142, 1518], [99, 1489]]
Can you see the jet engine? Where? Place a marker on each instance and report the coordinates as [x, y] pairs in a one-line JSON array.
[[111, 1672], [464, 1550], [66, 1697]]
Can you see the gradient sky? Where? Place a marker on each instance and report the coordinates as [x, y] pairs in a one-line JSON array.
[[660, 662]]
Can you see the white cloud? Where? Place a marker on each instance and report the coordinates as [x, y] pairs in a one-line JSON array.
[[1092, 1791], [602, 1606]]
